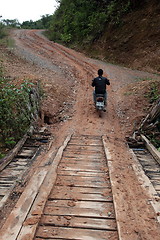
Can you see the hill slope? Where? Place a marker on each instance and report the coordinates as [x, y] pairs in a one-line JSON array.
[[135, 43], [123, 32]]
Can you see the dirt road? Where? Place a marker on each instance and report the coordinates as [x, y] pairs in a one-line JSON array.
[[68, 108]]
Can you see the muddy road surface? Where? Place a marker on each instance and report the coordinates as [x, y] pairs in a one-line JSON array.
[[67, 108]]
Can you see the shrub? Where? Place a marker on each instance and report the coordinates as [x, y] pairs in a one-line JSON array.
[[15, 111]]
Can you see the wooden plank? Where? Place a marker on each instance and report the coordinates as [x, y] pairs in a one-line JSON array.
[[115, 198], [155, 183], [27, 152], [14, 222], [47, 232], [82, 168], [151, 148], [85, 147], [151, 169], [4, 191], [82, 157], [150, 162], [82, 197], [79, 152], [95, 190], [83, 178], [153, 115], [6, 196], [80, 193], [84, 161], [80, 204], [19, 163], [80, 208], [91, 181], [79, 165], [86, 143], [7, 159], [5, 185], [83, 184], [83, 138], [32, 219], [81, 173], [157, 187], [154, 177], [145, 159], [80, 222]]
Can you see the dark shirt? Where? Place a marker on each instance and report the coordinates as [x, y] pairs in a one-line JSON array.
[[100, 84]]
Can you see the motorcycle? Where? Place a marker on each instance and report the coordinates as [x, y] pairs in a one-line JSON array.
[[100, 104]]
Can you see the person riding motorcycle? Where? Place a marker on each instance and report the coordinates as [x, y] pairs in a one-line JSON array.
[[100, 83]]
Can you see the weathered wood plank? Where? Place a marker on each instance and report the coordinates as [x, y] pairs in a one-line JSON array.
[[154, 177], [81, 222], [32, 219], [84, 164], [14, 222], [82, 184], [83, 161], [80, 193], [152, 149], [80, 208], [80, 204], [83, 157], [85, 153], [91, 181], [4, 191], [26, 152], [82, 168], [85, 147], [95, 190], [81, 173], [94, 179], [74, 233], [7, 159], [86, 143]]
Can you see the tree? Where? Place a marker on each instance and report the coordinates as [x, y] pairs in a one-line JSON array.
[[2, 29], [11, 23]]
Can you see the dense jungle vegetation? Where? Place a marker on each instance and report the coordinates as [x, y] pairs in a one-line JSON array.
[[123, 32], [84, 21], [42, 23]]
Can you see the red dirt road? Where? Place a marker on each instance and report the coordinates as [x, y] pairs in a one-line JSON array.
[[66, 78]]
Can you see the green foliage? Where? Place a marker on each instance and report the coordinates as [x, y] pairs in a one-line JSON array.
[[15, 111], [66, 37], [83, 21], [10, 42], [155, 140], [10, 142], [2, 30], [2, 155], [154, 93], [42, 23], [6, 24], [139, 79], [12, 23]]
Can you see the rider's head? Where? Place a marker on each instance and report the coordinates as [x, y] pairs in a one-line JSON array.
[[100, 72]]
